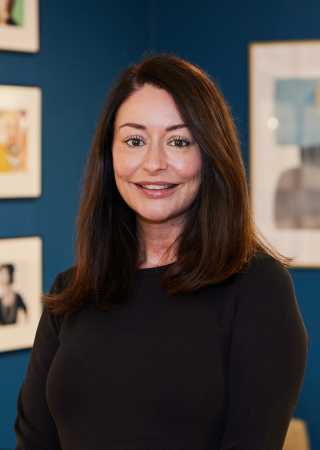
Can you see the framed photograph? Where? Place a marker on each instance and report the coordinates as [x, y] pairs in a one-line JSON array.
[[20, 141], [285, 146], [20, 291], [19, 25]]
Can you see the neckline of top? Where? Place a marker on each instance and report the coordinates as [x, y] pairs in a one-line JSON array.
[[159, 270]]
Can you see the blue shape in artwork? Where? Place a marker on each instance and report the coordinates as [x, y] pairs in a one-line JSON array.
[[298, 112]]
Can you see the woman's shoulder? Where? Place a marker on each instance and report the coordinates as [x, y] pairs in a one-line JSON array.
[[266, 287], [264, 267], [20, 302], [266, 305]]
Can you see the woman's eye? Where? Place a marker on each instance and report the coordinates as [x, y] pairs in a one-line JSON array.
[[134, 142], [179, 142]]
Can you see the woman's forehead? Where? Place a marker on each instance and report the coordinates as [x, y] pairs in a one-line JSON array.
[[149, 105]]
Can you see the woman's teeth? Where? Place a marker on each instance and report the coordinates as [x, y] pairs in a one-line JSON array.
[[155, 187]]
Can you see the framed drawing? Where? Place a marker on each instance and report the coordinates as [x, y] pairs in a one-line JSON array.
[[20, 291], [20, 141], [285, 146], [19, 25]]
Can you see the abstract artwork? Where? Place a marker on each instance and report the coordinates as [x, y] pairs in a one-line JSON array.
[[285, 146]]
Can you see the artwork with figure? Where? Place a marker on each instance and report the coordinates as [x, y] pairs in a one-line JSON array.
[[11, 12], [19, 25], [20, 291], [13, 309], [297, 111], [13, 141], [285, 146], [20, 141]]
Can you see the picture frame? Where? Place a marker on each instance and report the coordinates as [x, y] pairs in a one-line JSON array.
[[19, 26], [285, 146], [20, 141], [20, 291]]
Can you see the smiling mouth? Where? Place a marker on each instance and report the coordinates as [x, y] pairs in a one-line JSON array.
[[154, 187]]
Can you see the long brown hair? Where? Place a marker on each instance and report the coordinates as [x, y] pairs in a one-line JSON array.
[[218, 238]]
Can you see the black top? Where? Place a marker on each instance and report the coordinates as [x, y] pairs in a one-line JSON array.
[[217, 370]]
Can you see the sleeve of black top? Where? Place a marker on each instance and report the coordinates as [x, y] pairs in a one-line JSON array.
[[34, 426], [267, 359]]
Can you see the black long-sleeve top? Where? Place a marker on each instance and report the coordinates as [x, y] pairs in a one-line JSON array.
[[220, 369]]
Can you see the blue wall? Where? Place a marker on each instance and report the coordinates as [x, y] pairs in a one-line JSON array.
[[83, 48], [84, 45]]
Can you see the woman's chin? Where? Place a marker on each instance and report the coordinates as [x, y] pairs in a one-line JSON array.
[[155, 217]]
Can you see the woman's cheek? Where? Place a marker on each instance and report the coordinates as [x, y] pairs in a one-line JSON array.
[[124, 164], [189, 166]]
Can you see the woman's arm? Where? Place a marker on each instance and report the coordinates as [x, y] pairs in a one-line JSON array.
[[34, 426], [267, 359]]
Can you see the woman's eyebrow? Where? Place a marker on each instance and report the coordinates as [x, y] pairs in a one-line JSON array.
[[143, 127], [133, 125], [177, 127]]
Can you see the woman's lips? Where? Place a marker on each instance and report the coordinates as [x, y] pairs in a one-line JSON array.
[[156, 193]]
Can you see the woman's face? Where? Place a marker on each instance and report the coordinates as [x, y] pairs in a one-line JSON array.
[[5, 9], [4, 276], [157, 163]]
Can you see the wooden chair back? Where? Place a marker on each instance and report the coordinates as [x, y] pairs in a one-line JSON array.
[[297, 436]]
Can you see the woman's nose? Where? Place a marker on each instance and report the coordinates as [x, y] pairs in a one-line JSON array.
[[155, 159]]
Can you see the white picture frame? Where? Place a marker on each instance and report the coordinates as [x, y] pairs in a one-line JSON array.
[[285, 146], [23, 36], [20, 317], [20, 141]]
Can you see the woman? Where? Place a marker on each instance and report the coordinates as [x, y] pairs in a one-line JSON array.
[[13, 146], [5, 12], [12, 308], [177, 328]]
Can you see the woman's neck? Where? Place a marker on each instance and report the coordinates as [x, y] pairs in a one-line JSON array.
[[157, 242]]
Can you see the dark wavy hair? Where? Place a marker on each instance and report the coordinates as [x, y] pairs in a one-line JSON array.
[[10, 268], [218, 238]]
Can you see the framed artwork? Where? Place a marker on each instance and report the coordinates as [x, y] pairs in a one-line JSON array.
[[20, 141], [285, 146], [19, 25], [20, 291]]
